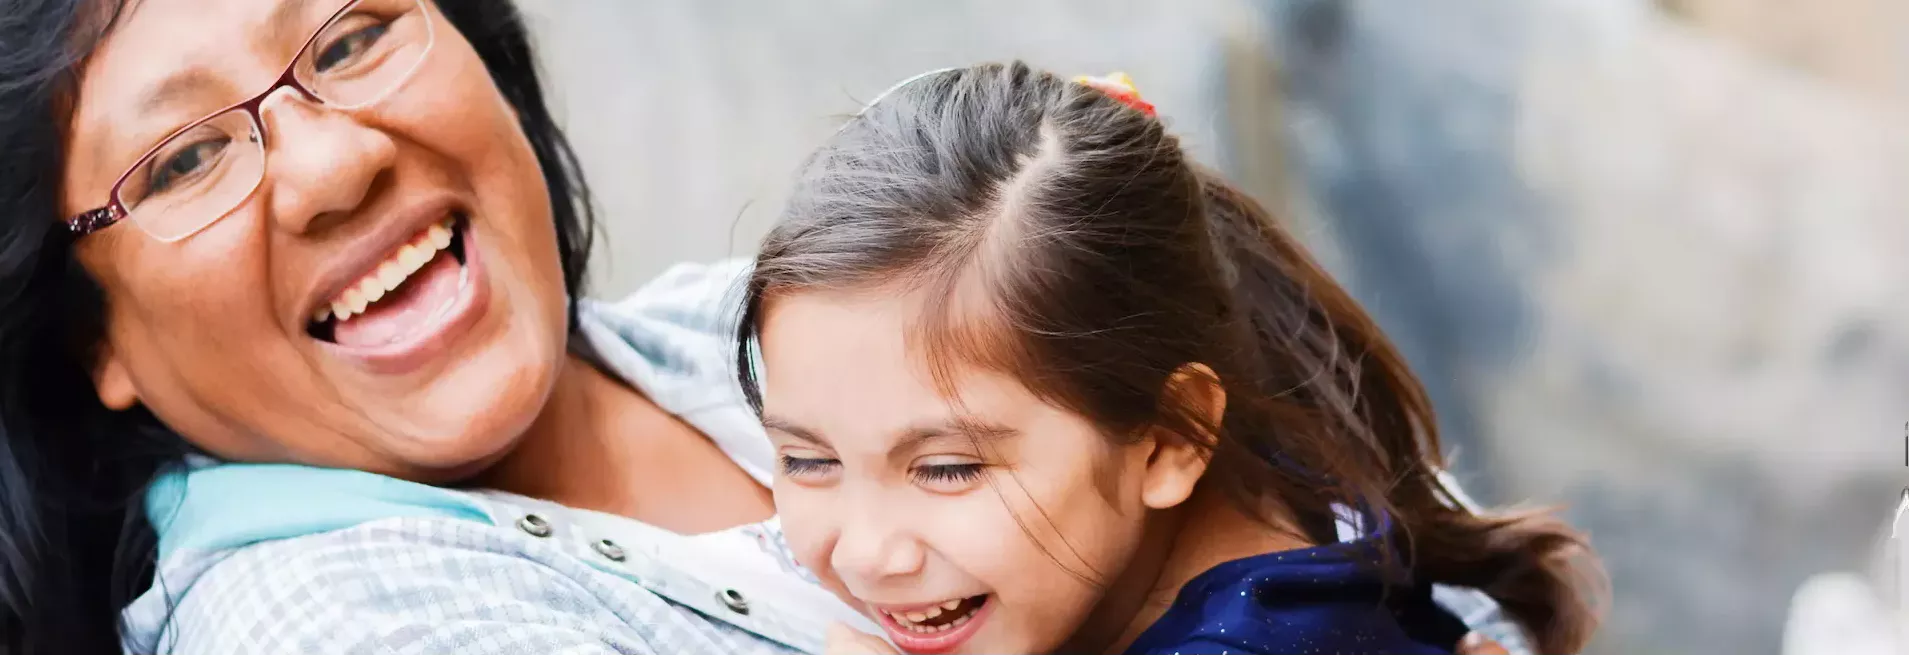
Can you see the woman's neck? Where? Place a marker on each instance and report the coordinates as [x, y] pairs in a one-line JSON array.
[[1208, 530], [603, 446]]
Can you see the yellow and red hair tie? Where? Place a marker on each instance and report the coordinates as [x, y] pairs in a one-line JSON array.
[[1120, 87]]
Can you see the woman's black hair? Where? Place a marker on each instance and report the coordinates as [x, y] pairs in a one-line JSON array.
[[75, 545]]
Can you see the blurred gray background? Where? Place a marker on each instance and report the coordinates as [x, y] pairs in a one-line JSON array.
[[1644, 253]]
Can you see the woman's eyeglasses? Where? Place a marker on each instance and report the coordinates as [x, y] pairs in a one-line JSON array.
[[206, 169]]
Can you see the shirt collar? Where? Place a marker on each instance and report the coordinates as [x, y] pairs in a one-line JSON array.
[[213, 506]]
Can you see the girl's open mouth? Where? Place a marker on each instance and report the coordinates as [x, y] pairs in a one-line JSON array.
[[935, 629]]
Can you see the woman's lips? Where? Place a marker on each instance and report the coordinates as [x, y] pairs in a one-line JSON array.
[[423, 318]]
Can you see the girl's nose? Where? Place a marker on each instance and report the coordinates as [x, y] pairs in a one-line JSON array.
[[871, 551]]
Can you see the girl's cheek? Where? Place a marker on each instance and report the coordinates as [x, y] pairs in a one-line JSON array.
[[807, 543], [797, 513]]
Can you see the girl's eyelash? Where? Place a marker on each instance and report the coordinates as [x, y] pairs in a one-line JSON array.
[[948, 472], [803, 465]]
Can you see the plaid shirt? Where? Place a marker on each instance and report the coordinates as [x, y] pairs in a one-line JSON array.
[[424, 585], [262, 559]]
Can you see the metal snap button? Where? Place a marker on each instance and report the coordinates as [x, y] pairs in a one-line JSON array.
[[734, 600], [534, 525], [609, 549]]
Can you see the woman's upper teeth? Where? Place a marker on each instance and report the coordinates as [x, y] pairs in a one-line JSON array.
[[388, 275]]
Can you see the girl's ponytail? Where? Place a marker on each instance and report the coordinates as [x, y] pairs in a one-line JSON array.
[[1539, 569]]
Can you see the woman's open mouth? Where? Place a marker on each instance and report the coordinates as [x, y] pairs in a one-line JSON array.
[[933, 629], [393, 313]]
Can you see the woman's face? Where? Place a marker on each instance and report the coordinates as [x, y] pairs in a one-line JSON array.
[[989, 529], [223, 334]]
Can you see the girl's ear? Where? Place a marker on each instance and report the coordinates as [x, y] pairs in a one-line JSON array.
[[1179, 460]]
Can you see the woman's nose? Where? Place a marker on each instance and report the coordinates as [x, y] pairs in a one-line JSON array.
[[320, 163]]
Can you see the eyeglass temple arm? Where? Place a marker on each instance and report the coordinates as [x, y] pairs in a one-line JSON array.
[[94, 220]]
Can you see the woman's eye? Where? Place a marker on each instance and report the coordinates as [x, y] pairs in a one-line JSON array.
[[800, 466], [948, 474], [170, 169], [349, 47]]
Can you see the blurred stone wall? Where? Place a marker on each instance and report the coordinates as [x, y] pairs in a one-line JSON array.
[[1857, 45], [1652, 265]]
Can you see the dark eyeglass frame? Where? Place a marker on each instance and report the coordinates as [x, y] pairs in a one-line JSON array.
[[114, 211]]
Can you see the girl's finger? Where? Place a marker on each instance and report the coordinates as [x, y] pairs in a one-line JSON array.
[[844, 640], [1478, 644]]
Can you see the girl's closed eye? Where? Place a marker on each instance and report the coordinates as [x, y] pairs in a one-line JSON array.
[[946, 474], [805, 466]]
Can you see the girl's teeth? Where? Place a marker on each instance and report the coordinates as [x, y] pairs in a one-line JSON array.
[[355, 302], [323, 314], [913, 620]]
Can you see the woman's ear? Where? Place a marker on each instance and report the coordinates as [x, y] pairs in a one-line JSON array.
[[113, 382], [1178, 461]]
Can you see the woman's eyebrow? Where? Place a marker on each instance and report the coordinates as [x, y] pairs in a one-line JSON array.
[[286, 22], [173, 87], [114, 130]]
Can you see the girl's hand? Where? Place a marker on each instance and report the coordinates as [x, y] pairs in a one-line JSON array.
[[844, 640], [1478, 644]]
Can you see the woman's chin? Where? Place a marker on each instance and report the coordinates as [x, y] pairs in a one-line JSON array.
[[447, 462], [455, 434]]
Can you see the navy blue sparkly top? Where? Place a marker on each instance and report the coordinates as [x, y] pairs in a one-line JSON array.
[[1315, 600]]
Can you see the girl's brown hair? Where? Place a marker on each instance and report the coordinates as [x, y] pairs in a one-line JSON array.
[[1103, 262]]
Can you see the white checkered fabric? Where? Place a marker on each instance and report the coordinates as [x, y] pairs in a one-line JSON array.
[[416, 586]]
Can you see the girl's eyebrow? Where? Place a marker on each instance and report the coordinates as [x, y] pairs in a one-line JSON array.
[[978, 430], [911, 438], [961, 426], [785, 426]]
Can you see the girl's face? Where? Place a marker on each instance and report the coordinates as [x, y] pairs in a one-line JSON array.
[[219, 333], [990, 528]]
